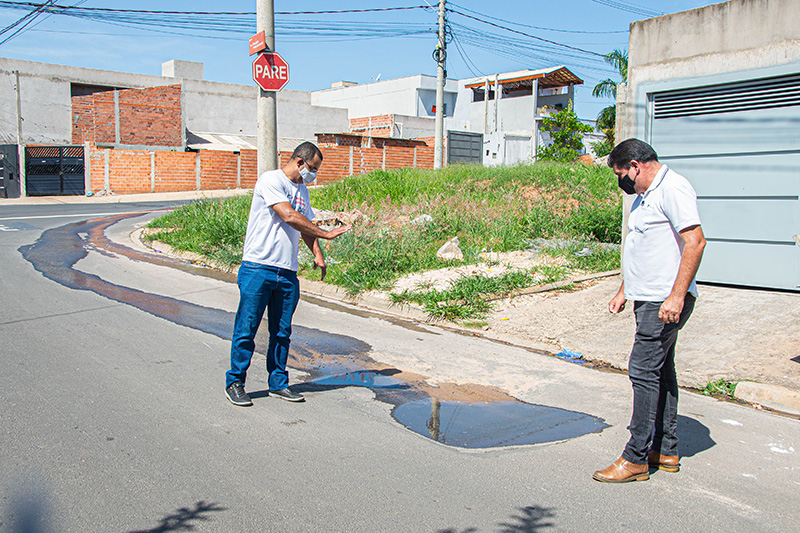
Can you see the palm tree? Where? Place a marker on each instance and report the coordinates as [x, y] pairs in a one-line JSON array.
[[607, 118]]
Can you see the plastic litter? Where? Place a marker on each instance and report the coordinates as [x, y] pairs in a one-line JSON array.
[[572, 357], [450, 251]]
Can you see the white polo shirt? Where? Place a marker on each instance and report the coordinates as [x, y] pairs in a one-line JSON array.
[[269, 240], [653, 247]]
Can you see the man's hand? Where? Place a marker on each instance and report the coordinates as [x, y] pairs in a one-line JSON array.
[[319, 261], [670, 311], [617, 303], [335, 232]]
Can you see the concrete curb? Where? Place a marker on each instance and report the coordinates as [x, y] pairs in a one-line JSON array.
[[772, 396]]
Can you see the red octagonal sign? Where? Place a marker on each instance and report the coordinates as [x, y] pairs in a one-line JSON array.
[[270, 71]]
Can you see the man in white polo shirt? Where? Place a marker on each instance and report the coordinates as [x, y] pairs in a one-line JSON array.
[[280, 214], [662, 252]]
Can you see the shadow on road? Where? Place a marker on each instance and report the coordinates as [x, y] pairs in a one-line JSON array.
[[694, 437], [181, 519], [529, 519]]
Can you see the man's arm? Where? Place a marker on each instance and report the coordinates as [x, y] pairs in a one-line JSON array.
[[617, 303], [694, 243], [303, 225], [319, 259]]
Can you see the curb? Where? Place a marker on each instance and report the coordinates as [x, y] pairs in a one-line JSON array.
[[775, 397]]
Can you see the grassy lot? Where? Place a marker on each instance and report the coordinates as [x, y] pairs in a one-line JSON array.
[[489, 209]]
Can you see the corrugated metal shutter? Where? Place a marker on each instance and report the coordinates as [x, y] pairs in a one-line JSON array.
[[464, 147], [739, 145]]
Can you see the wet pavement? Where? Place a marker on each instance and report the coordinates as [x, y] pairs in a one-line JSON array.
[[332, 360], [129, 408]]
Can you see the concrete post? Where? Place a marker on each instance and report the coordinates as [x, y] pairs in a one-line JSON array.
[[441, 49], [152, 172], [267, 100], [116, 117], [87, 167], [239, 170], [486, 106], [197, 171], [23, 188], [497, 92], [535, 134], [106, 172]]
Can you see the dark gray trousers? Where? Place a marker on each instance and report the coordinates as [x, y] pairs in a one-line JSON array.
[[651, 369]]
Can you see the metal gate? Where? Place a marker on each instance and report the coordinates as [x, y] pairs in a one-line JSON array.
[[464, 147], [738, 144], [54, 170], [9, 171]]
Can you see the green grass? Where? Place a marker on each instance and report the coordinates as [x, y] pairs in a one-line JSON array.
[[720, 387], [490, 209], [469, 297], [212, 228]]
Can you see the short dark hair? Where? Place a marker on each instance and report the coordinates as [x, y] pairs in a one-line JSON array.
[[630, 150], [306, 151]]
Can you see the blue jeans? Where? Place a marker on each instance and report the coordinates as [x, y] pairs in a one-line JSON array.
[[651, 369], [277, 291]]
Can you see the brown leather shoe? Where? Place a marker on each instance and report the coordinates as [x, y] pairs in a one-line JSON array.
[[667, 463], [623, 471]]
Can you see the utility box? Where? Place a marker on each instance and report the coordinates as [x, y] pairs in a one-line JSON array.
[[9, 171]]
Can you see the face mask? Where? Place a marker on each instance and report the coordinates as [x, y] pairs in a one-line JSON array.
[[307, 175], [626, 184]]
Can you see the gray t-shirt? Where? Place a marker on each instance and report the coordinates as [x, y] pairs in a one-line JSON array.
[[269, 240]]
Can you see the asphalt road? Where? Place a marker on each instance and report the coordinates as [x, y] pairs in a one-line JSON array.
[[113, 418]]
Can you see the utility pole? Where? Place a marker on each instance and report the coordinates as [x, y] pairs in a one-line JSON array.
[[267, 100], [23, 187], [440, 54]]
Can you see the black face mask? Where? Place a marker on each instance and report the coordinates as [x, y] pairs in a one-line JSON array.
[[626, 184]]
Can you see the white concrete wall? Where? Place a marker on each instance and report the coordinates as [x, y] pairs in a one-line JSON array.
[[400, 96], [210, 106], [718, 39]]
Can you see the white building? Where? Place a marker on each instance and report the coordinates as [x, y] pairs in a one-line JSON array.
[[502, 128]]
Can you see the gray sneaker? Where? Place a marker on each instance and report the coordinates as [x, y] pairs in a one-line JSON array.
[[288, 395], [237, 395]]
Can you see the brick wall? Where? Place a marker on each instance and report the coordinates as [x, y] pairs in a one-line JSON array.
[[376, 126], [150, 116]]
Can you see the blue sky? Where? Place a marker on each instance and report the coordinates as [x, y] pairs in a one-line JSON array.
[[323, 48]]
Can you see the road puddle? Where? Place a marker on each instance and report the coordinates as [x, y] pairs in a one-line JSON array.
[[460, 415]]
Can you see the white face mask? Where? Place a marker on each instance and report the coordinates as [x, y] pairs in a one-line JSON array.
[[307, 175]]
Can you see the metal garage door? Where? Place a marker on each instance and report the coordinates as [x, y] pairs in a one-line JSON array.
[[739, 146], [464, 147], [54, 170]]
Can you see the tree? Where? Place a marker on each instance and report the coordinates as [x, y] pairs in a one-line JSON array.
[[566, 131], [607, 118]]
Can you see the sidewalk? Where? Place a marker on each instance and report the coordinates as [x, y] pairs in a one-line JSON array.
[[736, 334], [123, 198]]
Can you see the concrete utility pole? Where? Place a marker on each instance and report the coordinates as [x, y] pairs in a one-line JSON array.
[[267, 100], [440, 55], [23, 187]]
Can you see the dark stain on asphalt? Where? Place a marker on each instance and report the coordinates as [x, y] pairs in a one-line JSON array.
[[332, 360]]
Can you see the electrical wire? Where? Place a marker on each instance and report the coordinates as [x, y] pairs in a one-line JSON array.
[[630, 8], [484, 15], [588, 52]]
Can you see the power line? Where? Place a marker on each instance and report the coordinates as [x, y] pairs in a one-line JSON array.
[[589, 52], [484, 15], [630, 8]]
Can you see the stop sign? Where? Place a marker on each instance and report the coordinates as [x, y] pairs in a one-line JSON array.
[[270, 71]]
